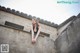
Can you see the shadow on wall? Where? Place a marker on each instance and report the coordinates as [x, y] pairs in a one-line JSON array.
[[69, 39]]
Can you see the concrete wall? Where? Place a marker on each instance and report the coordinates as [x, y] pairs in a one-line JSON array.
[[60, 30], [62, 40], [4, 16], [69, 39], [20, 40]]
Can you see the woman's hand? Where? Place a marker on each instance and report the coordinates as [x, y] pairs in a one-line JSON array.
[[33, 40]]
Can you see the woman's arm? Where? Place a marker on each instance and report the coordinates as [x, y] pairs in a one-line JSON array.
[[32, 32], [38, 32]]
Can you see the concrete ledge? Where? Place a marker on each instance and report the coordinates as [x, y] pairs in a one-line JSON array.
[[14, 25], [41, 33], [13, 28]]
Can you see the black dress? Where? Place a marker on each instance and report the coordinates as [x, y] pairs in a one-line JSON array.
[[36, 29]]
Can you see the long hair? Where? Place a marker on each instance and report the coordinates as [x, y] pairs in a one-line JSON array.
[[37, 21]]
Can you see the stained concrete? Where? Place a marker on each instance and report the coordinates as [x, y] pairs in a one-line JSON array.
[[69, 39], [20, 42]]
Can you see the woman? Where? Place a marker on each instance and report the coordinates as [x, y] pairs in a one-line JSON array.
[[35, 30]]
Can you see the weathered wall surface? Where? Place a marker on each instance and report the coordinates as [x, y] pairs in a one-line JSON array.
[[69, 39], [65, 24], [4, 16], [63, 28], [20, 42]]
